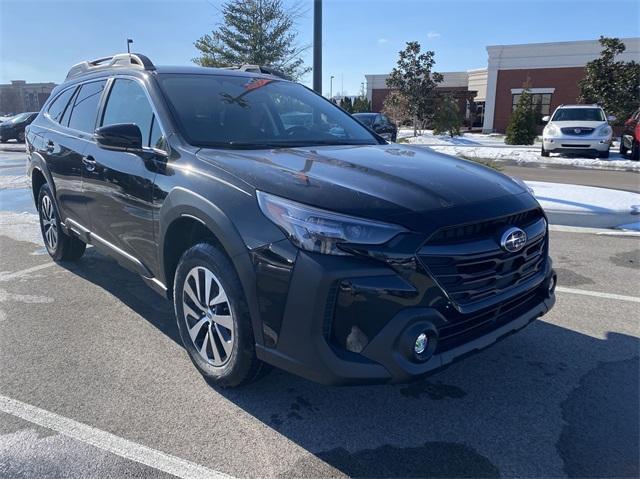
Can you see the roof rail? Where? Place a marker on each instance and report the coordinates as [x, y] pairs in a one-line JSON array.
[[130, 60], [264, 69]]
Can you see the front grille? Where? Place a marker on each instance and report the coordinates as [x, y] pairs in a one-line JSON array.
[[473, 269], [576, 131]]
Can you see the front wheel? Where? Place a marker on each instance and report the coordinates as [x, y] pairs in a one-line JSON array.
[[623, 149], [603, 154], [60, 246], [544, 152], [213, 317]]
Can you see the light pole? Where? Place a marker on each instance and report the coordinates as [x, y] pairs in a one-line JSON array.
[[317, 46], [331, 87]]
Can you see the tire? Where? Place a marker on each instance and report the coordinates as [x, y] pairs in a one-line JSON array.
[[60, 246], [623, 149], [603, 154], [635, 151], [544, 152], [228, 359], [20, 137]]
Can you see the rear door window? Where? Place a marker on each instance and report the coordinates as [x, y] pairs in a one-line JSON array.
[[85, 107], [59, 105]]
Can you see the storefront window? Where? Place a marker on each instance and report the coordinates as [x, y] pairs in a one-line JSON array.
[[540, 101]]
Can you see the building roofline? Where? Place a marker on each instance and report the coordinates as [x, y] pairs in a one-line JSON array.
[[565, 43]]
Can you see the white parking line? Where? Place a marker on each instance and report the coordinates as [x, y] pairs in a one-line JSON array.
[[619, 297], [108, 442], [24, 272]]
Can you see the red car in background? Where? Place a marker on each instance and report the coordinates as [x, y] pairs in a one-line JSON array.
[[631, 136]]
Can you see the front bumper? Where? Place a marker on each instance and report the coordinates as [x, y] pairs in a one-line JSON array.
[[576, 145], [380, 313]]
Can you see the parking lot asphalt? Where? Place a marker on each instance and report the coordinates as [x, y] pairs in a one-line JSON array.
[[94, 382]]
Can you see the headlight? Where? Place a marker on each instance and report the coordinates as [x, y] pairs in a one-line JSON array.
[[551, 130], [321, 231], [604, 130]]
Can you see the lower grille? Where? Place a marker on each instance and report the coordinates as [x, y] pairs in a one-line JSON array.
[[464, 328], [565, 145], [476, 271]]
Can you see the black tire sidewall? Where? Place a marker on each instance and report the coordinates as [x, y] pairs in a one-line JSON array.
[[57, 253], [237, 367]]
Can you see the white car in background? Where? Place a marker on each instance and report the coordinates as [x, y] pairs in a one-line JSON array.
[[577, 130]]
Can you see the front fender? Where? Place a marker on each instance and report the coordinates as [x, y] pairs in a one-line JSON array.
[[181, 202]]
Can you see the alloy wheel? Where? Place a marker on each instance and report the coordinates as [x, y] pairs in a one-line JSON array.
[[49, 223], [208, 317]]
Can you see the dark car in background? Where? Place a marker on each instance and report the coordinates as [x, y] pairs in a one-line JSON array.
[[284, 231], [13, 128], [379, 123], [630, 137]]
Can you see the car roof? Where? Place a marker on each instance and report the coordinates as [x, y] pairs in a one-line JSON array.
[[580, 106], [196, 70]]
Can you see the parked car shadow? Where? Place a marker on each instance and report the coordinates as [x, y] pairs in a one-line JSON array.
[[513, 409]]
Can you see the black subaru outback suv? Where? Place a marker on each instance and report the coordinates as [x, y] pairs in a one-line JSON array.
[[283, 230]]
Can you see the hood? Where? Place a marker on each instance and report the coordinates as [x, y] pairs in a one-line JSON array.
[[378, 181], [578, 124]]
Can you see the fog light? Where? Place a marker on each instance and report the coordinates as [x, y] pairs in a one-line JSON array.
[[552, 284], [422, 341]]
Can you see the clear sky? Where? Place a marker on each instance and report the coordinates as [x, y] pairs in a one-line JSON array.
[[40, 40]]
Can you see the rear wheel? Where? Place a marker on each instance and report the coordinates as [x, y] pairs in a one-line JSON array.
[[60, 246], [213, 317]]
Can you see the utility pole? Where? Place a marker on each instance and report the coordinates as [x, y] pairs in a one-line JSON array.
[[331, 87], [317, 46]]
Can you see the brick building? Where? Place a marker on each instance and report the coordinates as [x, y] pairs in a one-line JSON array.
[[552, 71], [19, 96]]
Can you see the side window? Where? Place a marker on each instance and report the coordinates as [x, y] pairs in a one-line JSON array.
[[85, 107], [156, 140], [128, 103], [59, 105]]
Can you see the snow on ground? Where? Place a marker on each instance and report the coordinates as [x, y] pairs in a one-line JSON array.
[[21, 226], [479, 146], [587, 206], [13, 181]]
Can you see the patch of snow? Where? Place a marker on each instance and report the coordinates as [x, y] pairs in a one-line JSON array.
[[491, 147], [630, 226], [13, 181], [586, 206], [21, 227]]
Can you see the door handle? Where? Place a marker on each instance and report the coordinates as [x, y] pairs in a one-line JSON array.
[[89, 163], [50, 146]]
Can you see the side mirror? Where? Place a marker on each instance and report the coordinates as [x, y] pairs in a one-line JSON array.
[[612, 118], [545, 118], [121, 136]]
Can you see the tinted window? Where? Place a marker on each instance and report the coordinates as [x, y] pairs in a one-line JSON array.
[[128, 103], [156, 140], [579, 114], [365, 119], [58, 106], [85, 107], [228, 111]]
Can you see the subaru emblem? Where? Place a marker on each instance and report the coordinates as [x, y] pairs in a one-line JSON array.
[[577, 131], [513, 240]]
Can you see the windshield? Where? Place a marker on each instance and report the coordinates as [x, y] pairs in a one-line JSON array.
[[225, 111], [19, 118], [366, 120], [579, 114]]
